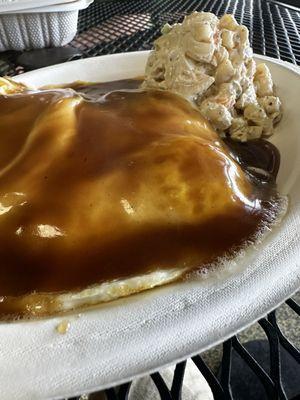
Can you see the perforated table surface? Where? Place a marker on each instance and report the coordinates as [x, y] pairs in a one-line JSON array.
[[115, 26], [110, 27]]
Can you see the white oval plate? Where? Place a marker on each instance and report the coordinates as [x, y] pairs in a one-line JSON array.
[[113, 343]]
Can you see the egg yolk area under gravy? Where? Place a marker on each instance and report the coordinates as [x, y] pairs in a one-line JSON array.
[[99, 188]]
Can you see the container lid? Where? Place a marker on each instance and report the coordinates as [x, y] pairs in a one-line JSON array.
[[35, 6], [20, 5]]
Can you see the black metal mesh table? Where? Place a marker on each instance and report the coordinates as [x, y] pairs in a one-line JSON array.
[[128, 25]]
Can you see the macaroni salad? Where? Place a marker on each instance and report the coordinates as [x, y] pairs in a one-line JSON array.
[[210, 61]]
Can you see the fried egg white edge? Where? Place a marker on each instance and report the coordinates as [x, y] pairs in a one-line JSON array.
[[113, 290]]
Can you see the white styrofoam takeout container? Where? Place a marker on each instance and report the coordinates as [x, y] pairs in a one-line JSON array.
[[32, 24]]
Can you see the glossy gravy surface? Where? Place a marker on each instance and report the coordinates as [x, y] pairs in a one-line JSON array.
[[108, 186]]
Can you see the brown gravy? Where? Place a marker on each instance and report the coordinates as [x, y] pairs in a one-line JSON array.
[[88, 191]]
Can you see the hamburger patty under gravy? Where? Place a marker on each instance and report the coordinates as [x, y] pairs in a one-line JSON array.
[[106, 195], [109, 189]]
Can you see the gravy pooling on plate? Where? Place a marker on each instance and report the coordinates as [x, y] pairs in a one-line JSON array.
[[108, 186]]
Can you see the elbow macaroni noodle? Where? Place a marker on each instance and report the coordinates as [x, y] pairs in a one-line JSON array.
[[210, 61]]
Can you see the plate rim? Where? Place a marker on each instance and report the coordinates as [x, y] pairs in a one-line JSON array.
[[283, 64], [18, 78]]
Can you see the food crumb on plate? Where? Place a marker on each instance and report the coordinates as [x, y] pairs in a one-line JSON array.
[[63, 327]]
